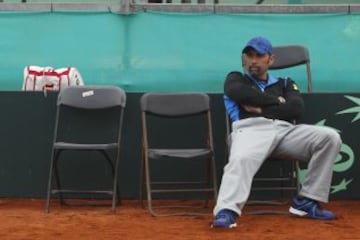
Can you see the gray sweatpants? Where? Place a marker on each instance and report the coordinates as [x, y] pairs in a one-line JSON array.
[[255, 139]]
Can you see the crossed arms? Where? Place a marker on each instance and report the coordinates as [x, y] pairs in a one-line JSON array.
[[279, 101]]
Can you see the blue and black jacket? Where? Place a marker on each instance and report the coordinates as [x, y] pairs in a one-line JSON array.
[[243, 89]]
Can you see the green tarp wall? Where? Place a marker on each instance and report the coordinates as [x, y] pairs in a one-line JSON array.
[[152, 51]]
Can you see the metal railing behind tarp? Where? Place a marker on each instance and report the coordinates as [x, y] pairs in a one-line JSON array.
[[189, 6]]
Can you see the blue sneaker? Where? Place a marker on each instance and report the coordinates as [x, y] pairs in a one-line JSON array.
[[225, 219], [310, 208]]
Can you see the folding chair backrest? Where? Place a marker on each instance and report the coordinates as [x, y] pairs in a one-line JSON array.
[[176, 114], [81, 108], [186, 103], [292, 56], [92, 97]]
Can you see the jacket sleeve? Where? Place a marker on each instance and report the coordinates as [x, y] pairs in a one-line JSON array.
[[292, 109], [237, 89]]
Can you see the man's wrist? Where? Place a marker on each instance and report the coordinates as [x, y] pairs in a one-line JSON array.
[[281, 99]]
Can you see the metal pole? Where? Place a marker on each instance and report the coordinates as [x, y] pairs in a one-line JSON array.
[[126, 6]]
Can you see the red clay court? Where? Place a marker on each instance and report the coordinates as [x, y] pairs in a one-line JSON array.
[[26, 219]]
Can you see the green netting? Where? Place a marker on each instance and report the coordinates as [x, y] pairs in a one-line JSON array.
[[174, 52]]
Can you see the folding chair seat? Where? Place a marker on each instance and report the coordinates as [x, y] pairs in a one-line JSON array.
[[88, 122], [288, 178], [178, 152]]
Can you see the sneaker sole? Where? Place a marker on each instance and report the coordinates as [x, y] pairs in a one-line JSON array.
[[297, 212], [224, 226], [300, 213]]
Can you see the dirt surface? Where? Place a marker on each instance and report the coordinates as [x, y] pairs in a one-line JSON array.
[[26, 219]]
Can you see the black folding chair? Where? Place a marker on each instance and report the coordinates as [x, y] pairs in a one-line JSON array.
[[177, 136], [88, 119], [288, 175]]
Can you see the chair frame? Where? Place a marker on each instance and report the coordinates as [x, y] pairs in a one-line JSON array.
[[146, 184], [116, 98]]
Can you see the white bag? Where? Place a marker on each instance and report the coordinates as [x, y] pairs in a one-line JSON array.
[[47, 78]]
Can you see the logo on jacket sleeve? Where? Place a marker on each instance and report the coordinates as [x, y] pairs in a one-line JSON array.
[[295, 87]]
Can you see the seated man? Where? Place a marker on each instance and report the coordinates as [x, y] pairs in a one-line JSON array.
[[262, 108]]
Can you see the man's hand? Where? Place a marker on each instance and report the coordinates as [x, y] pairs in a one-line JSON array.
[[252, 109]]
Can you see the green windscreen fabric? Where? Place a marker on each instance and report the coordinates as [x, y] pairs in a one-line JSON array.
[[153, 51]]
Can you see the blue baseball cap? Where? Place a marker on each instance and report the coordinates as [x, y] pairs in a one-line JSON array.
[[260, 44]]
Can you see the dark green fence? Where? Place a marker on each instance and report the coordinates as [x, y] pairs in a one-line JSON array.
[[27, 126]]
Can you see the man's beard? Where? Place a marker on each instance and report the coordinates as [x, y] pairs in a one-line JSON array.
[[255, 71]]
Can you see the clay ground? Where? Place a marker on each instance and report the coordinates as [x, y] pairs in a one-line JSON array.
[[26, 219]]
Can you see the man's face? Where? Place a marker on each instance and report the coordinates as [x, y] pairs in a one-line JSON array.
[[257, 64]]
